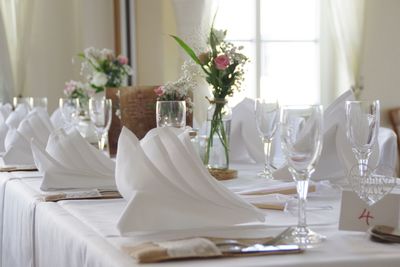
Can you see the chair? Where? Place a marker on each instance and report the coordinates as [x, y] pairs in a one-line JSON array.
[[394, 116]]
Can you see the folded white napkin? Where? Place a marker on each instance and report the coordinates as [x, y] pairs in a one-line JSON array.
[[70, 162], [169, 188], [36, 126], [57, 119], [5, 110], [15, 117]]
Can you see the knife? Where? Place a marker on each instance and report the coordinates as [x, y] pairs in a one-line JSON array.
[[262, 249]]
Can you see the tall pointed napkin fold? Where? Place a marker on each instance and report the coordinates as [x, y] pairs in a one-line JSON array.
[[15, 117], [36, 126], [70, 162], [168, 188], [57, 119], [5, 111]]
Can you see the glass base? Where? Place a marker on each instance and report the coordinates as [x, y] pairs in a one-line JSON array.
[[266, 175], [302, 236]]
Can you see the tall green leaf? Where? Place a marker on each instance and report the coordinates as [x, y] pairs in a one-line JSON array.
[[187, 49]]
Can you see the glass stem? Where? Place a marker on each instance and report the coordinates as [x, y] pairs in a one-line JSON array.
[[302, 191], [267, 153], [362, 159], [101, 140]]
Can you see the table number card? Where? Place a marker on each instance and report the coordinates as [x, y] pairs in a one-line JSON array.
[[356, 215]]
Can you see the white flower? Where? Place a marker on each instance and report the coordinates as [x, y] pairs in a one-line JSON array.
[[99, 79], [219, 35], [106, 54]]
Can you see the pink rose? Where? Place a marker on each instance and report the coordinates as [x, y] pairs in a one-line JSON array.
[[123, 60], [159, 90], [221, 62]]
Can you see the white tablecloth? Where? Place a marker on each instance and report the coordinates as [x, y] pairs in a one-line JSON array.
[[83, 233]]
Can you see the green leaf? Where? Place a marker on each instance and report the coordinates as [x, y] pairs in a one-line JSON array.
[[187, 49]]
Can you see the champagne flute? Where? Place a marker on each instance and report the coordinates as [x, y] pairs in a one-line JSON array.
[[301, 137], [100, 111], [362, 121], [267, 117]]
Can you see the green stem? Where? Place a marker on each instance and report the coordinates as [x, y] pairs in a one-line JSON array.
[[217, 127]]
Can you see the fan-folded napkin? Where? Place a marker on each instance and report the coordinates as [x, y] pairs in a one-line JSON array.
[[168, 187], [36, 126], [70, 162], [15, 117]]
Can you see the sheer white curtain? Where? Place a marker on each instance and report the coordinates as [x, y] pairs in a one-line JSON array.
[[347, 17], [17, 17], [6, 79], [193, 18]]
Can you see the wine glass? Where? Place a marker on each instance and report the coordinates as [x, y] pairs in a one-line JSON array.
[[362, 121], [301, 137], [171, 113], [70, 109], [38, 102], [267, 117], [17, 101], [100, 111]]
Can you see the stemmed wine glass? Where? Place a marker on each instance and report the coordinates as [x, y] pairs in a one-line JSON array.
[[267, 118], [70, 109], [301, 137], [370, 184], [100, 111], [362, 121]]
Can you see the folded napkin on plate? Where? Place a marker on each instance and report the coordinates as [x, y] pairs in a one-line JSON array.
[[36, 126], [246, 144], [69, 162], [163, 176]]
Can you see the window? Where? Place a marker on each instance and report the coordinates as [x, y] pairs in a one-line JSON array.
[[281, 38]]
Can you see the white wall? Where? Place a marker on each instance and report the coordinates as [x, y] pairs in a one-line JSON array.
[[381, 55], [60, 30]]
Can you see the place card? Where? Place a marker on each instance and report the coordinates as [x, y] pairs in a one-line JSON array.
[[356, 215]]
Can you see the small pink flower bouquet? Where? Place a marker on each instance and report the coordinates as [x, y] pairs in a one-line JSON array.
[[222, 63], [75, 89], [178, 90], [102, 69]]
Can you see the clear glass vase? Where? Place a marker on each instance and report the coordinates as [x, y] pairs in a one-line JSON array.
[[219, 116]]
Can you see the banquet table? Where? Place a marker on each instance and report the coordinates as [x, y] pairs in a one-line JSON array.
[[84, 233]]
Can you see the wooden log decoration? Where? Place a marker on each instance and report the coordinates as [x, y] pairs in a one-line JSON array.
[[137, 112]]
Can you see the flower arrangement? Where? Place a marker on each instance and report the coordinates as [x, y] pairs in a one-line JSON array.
[[223, 66], [178, 90], [75, 89], [102, 69]]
